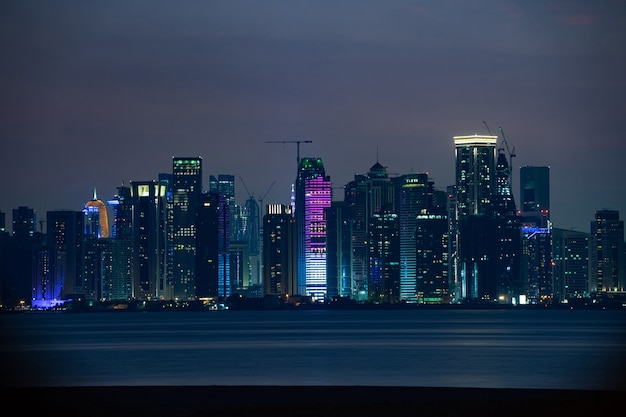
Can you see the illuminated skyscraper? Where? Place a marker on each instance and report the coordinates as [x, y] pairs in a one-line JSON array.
[[475, 157], [280, 254], [536, 262], [570, 253], [414, 197], [186, 192], [96, 217], [313, 193], [384, 258], [212, 261], [365, 196], [65, 239], [608, 263], [149, 239]]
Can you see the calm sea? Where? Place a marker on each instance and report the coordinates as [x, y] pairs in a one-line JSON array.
[[562, 349]]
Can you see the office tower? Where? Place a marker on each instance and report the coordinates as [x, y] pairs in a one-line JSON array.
[[431, 261], [280, 271], [454, 283], [475, 182], [24, 222], [364, 196], [338, 251], [46, 293], [65, 230], [535, 192], [96, 217], [212, 263], [384, 258], [252, 235], [414, 193], [97, 268], [150, 242], [120, 285], [186, 192], [509, 284], [312, 195], [536, 262], [607, 255], [570, 253]]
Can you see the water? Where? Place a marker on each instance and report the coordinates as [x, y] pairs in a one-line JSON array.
[[559, 349]]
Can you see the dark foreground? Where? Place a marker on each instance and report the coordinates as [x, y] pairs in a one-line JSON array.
[[364, 401]]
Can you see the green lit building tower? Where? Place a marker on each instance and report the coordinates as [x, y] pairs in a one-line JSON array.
[[280, 272], [149, 225], [313, 193], [607, 255], [186, 193], [475, 161], [570, 254], [365, 196]]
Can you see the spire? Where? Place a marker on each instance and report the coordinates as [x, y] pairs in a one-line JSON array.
[[95, 196]]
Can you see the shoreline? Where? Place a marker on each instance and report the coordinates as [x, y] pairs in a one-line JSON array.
[[364, 401]]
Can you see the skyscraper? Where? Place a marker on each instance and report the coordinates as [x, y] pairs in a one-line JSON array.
[[313, 193], [475, 157], [570, 254], [536, 267], [280, 277], [365, 196], [96, 217], [212, 260], [608, 263], [414, 197], [149, 239], [186, 192]]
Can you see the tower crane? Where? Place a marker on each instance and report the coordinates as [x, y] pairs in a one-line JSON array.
[[297, 142], [264, 195], [511, 154]]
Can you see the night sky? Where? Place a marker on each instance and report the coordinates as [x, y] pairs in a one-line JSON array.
[[100, 93]]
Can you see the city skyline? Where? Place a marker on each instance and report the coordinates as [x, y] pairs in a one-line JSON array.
[[96, 95]]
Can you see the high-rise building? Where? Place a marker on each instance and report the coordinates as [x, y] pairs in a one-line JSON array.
[[150, 241], [608, 263], [280, 270], [570, 254], [535, 191], [338, 251], [431, 261], [96, 217], [414, 194], [313, 193], [65, 230], [537, 265], [120, 284], [365, 196], [212, 261], [475, 157], [384, 258], [24, 222], [186, 193]]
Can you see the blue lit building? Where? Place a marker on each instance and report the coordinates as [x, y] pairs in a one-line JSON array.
[[212, 261]]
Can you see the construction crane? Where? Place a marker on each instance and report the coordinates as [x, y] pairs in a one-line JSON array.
[[297, 142], [252, 195], [488, 130], [511, 154]]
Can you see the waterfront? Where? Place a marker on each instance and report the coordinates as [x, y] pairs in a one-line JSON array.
[[552, 349]]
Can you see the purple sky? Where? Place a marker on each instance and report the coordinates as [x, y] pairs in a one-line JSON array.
[[96, 93]]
